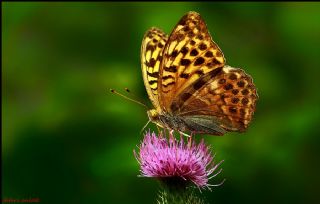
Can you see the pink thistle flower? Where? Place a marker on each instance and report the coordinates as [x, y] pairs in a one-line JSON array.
[[170, 159]]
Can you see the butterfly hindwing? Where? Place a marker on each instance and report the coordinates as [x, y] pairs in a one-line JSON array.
[[228, 97], [189, 54]]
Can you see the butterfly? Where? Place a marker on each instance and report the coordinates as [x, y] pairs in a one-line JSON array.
[[189, 84]]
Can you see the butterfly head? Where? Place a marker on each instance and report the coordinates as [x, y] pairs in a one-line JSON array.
[[154, 117]]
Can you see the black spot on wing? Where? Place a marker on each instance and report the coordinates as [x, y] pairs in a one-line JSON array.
[[233, 76], [174, 53], [213, 62], [244, 101], [235, 91], [199, 61], [153, 74], [202, 46], [172, 69], [200, 37], [150, 47], [194, 52], [160, 45], [185, 62], [190, 34], [235, 100], [228, 87], [240, 84], [209, 54], [184, 75], [153, 82], [167, 77], [245, 91], [200, 72], [151, 63], [169, 84], [184, 50]]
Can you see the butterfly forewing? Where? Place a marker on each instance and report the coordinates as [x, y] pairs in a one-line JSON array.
[[189, 54], [152, 47]]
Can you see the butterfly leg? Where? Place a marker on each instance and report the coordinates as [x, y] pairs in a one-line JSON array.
[[184, 134], [145, 126], [158, 129]]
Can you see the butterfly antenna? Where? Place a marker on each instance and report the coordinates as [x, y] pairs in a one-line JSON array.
[[136, 98], [130, 99]]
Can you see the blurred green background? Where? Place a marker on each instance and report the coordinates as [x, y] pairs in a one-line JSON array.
[[66, 139]]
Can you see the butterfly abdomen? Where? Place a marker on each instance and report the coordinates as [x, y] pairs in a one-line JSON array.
[[173, 122]]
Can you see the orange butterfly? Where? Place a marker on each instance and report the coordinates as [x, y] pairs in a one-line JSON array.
[[189, 84]]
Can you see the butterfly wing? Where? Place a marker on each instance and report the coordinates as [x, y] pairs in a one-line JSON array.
[[152, 47], [188, 55], [204, 124], [225, 97]]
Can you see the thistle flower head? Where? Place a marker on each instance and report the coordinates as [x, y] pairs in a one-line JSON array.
[[170, 159]]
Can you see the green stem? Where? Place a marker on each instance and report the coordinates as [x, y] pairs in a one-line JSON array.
[[178, 196]]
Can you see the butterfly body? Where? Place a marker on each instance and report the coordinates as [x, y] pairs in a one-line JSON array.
[[189, 84], [193, 124]]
